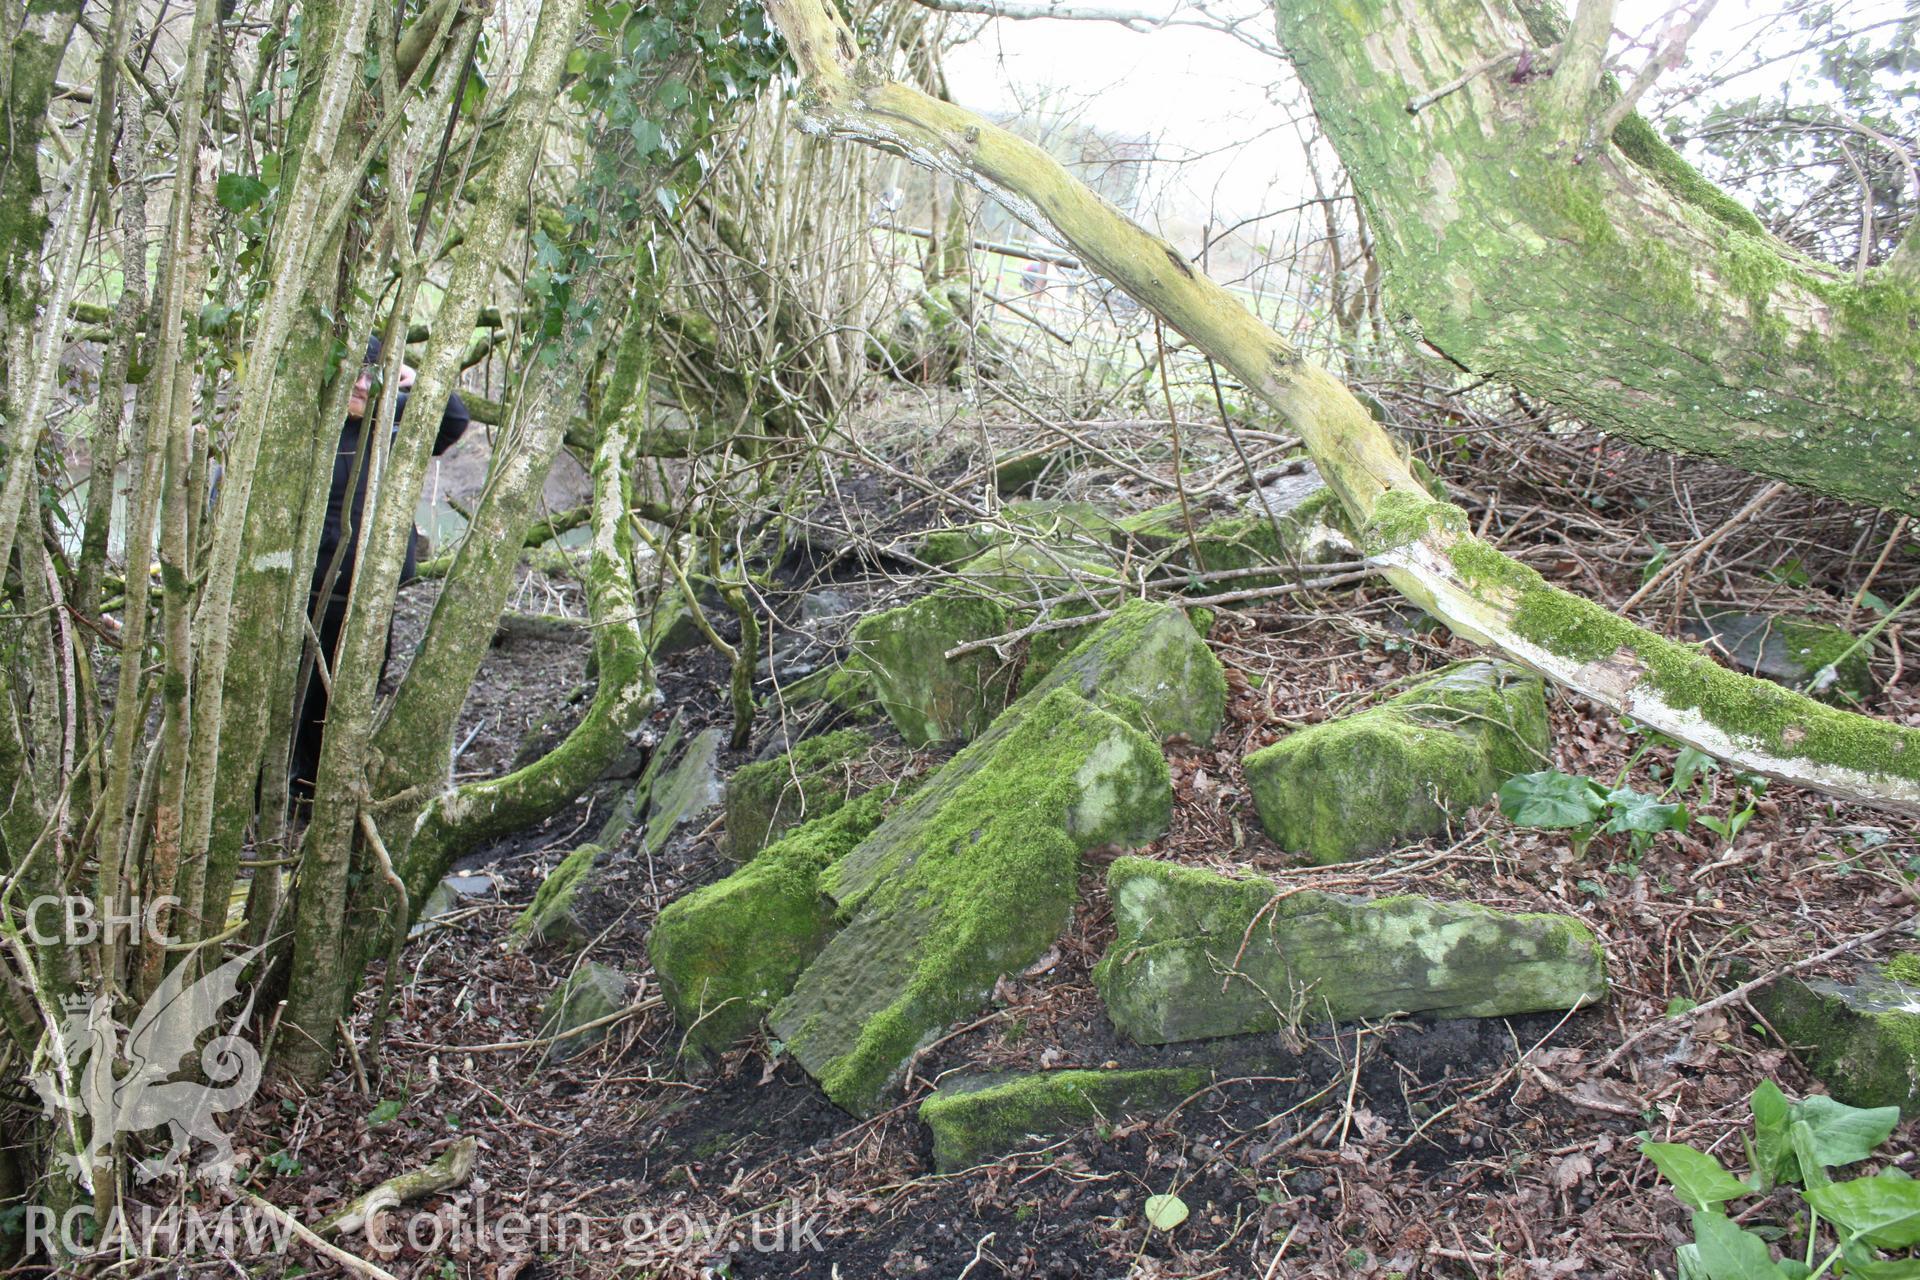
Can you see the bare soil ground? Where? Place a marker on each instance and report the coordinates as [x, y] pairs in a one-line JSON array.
[[1500, 1147]]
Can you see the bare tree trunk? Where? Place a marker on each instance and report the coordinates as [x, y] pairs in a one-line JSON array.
[[318, 976], [1422, 545]]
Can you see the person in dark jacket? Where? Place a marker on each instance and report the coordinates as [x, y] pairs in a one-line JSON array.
[[340, 544]]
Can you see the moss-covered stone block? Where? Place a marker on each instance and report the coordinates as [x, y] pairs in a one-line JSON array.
[[684, 789], [591, 992], [981, 1117], [670, 627], [728, 951], [971, 879], [1860, 1039], [1019, 471], [1292, 519], [1148, 664], [1790, 652], [845, 686], [1078, 526], [1197, 955], [810, 781], [1402, 769], [929, 697], [552, 917]]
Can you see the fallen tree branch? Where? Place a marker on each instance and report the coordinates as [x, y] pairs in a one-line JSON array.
[[448, 1170], [1422, 545], [352, 1262]]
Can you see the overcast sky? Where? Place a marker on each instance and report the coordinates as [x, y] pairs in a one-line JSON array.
[[1209, 97]]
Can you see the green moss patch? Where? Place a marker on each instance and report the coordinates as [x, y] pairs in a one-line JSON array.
[[765, 799], [1309, 956], [1404, 768], [1860, 1039], [979, 1118], [727, 952]]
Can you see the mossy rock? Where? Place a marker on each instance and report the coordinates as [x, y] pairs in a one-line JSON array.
[[1403, 769], [971, 880], [727, 951], [591, 992], [980, 1117], [767, 798], [1790, 652], [552, 917], [1031, 572], [1018, 471], [1313, 956], [1294, 518], [1147, 664], [928, 697], [670, 625], [685, 789], [1860, 1039], [842, 685], [1079, 527]]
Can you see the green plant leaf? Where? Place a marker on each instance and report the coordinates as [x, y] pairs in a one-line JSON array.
[[1885, 1269], [237, 192], [1164, 1213], [1724, 1250], [1883, 1211], [1699, 1180], [1841, 1134], [1550, 799], [1634, 811], [384, 1113], [1691, 763], [1772, 1151]]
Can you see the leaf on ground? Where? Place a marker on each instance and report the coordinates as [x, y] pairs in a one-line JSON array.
[[1164, 1213], [1697, 1178]]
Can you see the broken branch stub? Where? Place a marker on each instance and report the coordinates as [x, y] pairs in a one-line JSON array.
[[1422, 545]]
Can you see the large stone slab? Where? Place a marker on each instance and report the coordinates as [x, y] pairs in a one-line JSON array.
[[971, 879], [728, 951], [1291, 519], [766, 799], [1145, 665], [1197, 955], [685, 789], [1861, 1039], [1401, 770], [977, 1118], [589, 994], [929, 697]]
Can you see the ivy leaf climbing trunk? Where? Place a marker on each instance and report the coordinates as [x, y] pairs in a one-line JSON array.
[[1423, 546], [1606, 277]]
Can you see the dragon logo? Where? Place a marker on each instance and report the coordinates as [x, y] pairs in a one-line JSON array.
[[144, 1096]]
